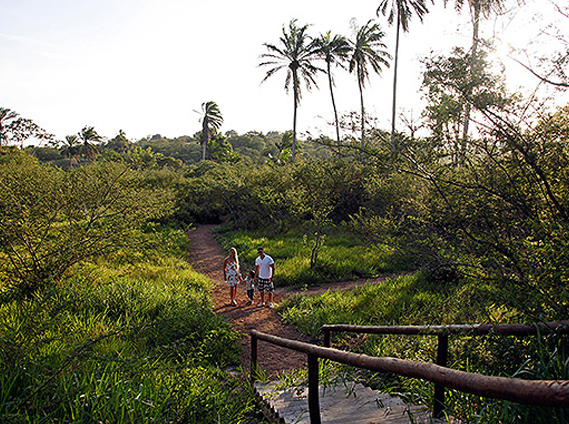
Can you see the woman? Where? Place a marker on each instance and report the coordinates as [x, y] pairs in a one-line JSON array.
[[232, 274]]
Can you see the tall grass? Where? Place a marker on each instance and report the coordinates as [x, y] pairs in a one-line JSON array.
[[343, 257], [414, 299], [132, 341]]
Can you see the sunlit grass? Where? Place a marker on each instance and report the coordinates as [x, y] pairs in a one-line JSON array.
[[132, 340], [343, 257], [414, 300]]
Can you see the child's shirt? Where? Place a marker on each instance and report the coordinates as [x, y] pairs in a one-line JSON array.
[[250, 283]]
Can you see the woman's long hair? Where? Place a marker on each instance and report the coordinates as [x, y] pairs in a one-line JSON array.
[[233, 253]]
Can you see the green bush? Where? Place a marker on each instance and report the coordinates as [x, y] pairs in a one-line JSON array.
[[342, 257], [52, 219], [130, 341]]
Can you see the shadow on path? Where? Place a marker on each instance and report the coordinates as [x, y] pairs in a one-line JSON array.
[[206, 256]]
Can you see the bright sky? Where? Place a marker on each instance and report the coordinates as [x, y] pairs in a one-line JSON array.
[[146, 66]]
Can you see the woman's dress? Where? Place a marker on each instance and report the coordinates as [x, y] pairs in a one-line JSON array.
[[232, 273]]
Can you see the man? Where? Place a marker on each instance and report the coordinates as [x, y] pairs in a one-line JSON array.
[[264, 272]]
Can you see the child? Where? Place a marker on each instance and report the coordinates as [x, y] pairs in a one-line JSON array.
[[250, 286]]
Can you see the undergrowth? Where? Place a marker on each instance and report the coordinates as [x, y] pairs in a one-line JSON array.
[[343, 258], [414, 300], [130, 339]]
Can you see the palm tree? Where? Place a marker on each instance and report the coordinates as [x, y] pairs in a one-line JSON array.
[[402, 10], [89, 137], [71, 148], [294, 54], [367, 49], [212, 119], [333, 50], [7, 116], [478, 9]]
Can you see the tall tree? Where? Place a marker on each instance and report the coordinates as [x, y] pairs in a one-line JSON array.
[[478, 9], [212, 119], [295, 54], [451, 83], [71, 148], [15, 129], [89, 137], [367, 50], [333, 50], [402, 10]]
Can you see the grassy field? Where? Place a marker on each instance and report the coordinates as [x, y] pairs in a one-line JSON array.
[[133, 339], [129, 339], [344, 257], [413, 297]]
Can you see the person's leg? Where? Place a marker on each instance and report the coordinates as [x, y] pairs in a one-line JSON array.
[[262, 288], [270, 297]]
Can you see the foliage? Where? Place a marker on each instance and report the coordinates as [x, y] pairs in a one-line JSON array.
[[119, 143], [295, 54], [343, 258], [504, 208], [254, 145], [212, 119], [15, 130], [53, 220], [221, 150], [210, 191], [186, 149], [368, 50], [130, 340], [90, 138], [453, 84], [334, 50]]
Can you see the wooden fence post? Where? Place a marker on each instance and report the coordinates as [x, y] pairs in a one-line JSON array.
[[253, 358], [442, 356], [313, 383], [327, 337]]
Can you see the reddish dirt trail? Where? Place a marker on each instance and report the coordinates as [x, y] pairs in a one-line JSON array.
[[206, 256]]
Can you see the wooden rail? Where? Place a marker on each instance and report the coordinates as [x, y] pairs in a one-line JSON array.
[[442, 332], [543, 392]]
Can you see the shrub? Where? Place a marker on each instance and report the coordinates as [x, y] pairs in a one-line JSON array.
[[52, 219], [130, 341]]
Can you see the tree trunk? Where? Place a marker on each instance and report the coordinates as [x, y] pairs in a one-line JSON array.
[[205, 137], [295, 89], [363, 114], [394, 105], [330, 82], [475, 13]]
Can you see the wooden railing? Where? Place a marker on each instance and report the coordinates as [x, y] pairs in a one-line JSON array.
[[538, 392], [443, 332]]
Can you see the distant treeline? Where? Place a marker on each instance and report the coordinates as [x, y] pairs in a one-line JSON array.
[[257, 147]]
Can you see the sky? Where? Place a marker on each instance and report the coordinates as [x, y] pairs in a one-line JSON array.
[[146, 66]]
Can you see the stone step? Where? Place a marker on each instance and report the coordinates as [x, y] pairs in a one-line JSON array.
[[341, 403]]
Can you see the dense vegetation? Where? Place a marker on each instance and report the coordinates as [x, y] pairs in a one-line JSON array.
[[131, 338], [102, 319]]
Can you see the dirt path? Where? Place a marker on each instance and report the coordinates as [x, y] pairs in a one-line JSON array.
[[206, 256]]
